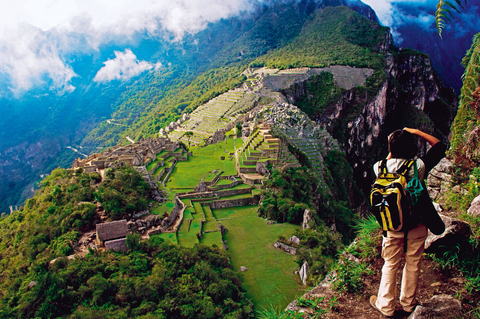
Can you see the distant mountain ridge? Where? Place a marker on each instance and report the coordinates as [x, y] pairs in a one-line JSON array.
[[60, 121]]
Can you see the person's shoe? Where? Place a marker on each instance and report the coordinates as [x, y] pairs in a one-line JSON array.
[[373, 303]]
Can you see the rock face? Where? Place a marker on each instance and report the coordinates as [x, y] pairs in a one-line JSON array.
[[411, 87], [201, 187], [307, 217], [294, 239], [475, 207], [456, 232], [441, 306], [439, 178], [303, 273], [288, 249]]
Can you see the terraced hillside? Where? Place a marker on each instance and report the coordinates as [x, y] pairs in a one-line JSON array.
[[220, 209], [217, 114], [220, 113]]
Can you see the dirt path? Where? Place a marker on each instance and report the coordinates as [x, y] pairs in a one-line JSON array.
[[110, 122], [77, 151], [432, 281]]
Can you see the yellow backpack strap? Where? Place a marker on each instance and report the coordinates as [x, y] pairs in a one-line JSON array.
[[405, 167], [382, 168]]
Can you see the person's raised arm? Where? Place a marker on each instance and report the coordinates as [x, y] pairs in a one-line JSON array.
[[427, 137]]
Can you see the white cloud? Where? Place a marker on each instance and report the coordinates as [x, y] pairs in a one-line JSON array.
[[386, 9], [36, 37], [31, 58], [123, 67]]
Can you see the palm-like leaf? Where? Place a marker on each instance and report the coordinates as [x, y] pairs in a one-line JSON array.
[[444, 10]]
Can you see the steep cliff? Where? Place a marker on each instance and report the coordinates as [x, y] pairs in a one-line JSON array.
[[361, 118]]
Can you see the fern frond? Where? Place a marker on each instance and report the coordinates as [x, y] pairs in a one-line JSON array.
[[443, 11]]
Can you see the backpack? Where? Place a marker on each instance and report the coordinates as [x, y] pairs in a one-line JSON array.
[[389, 199]]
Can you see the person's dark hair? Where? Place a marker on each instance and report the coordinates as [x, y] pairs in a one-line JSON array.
[[401, 144]]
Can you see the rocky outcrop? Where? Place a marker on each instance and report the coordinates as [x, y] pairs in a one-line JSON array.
[[295, 240], [474, 208], [441, 306], [439, 179], [303, 273], [288, 249], [177, 210], [307, 217], [411, 87], [456, 233]]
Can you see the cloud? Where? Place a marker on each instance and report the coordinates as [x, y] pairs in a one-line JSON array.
[[396, 13], [29, 58], [38, 37], [123, 67]]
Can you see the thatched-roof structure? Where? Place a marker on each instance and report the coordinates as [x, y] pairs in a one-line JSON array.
[[113, 230]]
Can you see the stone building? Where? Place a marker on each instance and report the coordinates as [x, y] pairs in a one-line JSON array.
[[113, 235]]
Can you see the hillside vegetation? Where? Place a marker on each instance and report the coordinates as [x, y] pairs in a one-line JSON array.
[[153, 277], [235, 196], [329, 36]]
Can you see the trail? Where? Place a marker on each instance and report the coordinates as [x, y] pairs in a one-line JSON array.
[[75, 150], [110, 122]]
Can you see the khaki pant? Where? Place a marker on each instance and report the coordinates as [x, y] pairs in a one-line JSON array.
[[392, 252]]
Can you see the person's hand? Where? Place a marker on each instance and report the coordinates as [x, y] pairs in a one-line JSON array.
[[410, 130]]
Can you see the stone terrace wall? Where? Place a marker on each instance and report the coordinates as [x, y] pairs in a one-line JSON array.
[[179, 207], [232, 192], [250, 201], [219, 187]]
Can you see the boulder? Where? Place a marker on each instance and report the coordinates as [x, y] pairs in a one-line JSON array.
[[303, 273], [261, 168], [307, 217], [288, 249], [31, 284], [223, 229], [243, 268], [201, 187], [294, 239], [440, 306], [456, 232], [439, 178], [474, 207]]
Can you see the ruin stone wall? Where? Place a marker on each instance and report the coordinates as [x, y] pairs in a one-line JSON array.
[[232, 192], [227, 203], [219, 187]]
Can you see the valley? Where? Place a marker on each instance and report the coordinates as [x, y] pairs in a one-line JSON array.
[[232, 179]]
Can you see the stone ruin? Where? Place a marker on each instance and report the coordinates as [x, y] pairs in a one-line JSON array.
[[136, 154], [112, 235]]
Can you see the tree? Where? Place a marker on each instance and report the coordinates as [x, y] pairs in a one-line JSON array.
[[188, 135]]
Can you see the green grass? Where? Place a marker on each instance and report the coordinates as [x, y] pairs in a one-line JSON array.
[[188, 238], [236, 196], [210, 239], [208, 213], [223, 182], [151, 165], [240, 186], [187, 214], [210, 225], [198, 208], [171, 237], [270, 276], [166, 207], [204, 160]]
